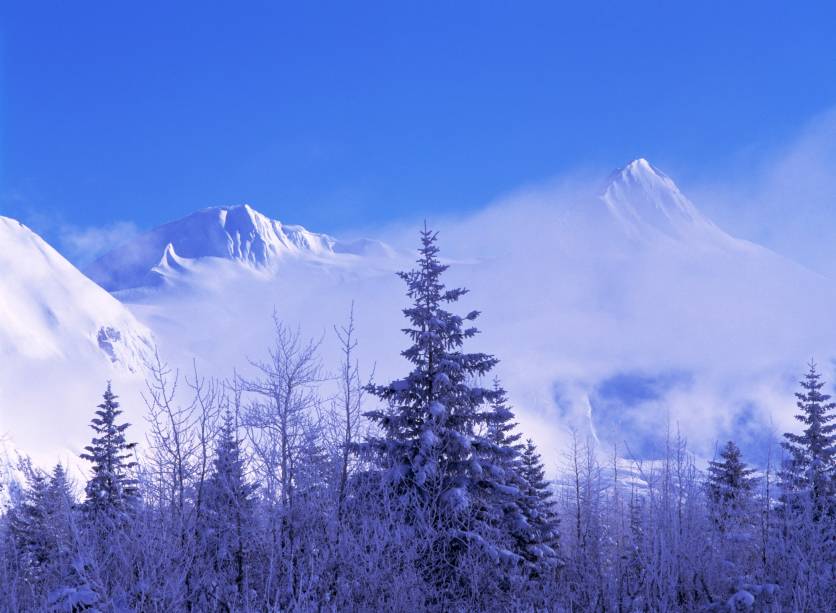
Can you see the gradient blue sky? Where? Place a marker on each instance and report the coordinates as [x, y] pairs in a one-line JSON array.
[[335, 115]]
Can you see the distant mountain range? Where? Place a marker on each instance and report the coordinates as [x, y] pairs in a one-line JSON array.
[[614, 313]]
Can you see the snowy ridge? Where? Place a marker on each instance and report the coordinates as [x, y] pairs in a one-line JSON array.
[[48, 309], [237, 233]]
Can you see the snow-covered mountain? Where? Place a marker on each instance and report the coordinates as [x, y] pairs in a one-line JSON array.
[[49, 310], [61, 338], [236, 233], [613, 310], [647, 203]]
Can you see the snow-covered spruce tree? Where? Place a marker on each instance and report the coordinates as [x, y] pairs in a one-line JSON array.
[[41, 527], [803, 554], [228, 523], [29, 523], [538, 506], [112, 491], [732, 526], [500, 460], [730, 486], [428, 446], [809, 474], [502, 432]]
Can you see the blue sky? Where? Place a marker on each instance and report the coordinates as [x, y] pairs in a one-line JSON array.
[[336, 115]]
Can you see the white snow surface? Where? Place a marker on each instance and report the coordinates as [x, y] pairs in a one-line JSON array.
[[48, 309]]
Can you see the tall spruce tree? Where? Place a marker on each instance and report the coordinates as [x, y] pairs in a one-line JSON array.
[[112, 490], [810, 470], [431, 445], [730, 485], [429, 429]]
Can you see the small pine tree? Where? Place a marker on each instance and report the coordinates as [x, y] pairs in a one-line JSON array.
[[501, 429], [41, 527], [730, 485], [29, 524], [510, 490], [230, 508], [811, 467], [111, 490], [538, 506]]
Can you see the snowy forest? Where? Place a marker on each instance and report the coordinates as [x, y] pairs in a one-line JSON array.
[[271, 492]]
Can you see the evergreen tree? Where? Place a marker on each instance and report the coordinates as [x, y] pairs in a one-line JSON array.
[[501, 430], [29, 523], [230, 506], [538, 507], [811, 467], [523, 495], [111, 490], [730, 485], [429, 429], [41, 527], [429, 446]]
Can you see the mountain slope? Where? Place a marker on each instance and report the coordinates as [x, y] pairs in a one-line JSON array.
[[48, 309], [62, 337]]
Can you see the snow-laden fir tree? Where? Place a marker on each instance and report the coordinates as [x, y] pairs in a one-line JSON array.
[[230, 513], [538, 506], [428, 443], [502, 430], [525, 499], [41, 526], [730, 485], [29, 523], [429, 428], [810, 471], [112, 490]]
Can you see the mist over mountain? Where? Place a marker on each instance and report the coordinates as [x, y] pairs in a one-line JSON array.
[[237, 233], [616, 310]]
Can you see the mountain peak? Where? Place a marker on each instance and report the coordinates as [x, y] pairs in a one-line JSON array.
[[642, 173], [647, 201], [235, 232]]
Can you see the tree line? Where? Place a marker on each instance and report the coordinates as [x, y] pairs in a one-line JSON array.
[[418, 494]]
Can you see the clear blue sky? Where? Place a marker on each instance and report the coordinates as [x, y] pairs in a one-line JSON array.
[[341, 114]]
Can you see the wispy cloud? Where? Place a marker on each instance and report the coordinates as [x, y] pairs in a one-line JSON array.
[[80, 244], [83, 244], [785, 198]]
